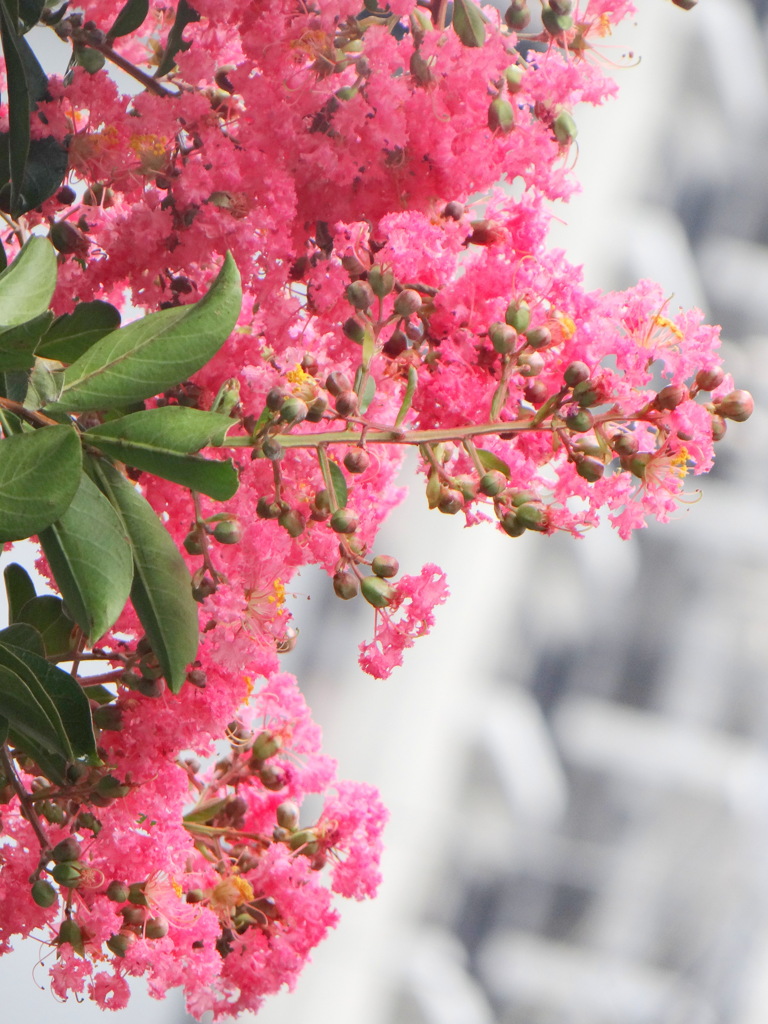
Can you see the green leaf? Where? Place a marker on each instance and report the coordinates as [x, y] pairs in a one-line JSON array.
[[45, 169], [22, 635], [45, 383], [53, 766], [17, 344], [26, 286], [67, 697], [91, 559], [339, 484], [51, 620], [16, 384], [4, 726], [154, 353], [490, 461], [369, 392], [469, 22], [28, 708], [204, 812], [161, 591], [185, 14], [131, 17], [162, 441], [17, 140], [74, 333], [19, 589], [29, 12], [39, 474]]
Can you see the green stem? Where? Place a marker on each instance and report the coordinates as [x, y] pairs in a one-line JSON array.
[[25, 799]]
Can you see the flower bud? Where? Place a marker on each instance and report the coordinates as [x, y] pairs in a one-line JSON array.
[[590, 469], [710, 378], [272, 449], [109, 718], [118, 892], [288, 815], [357, 460], [69, 873], [345, 584], [670, 397], [518, 315], [517, 15], [133, 916], [377, 591], [360, 295], [156, 687], [624, 445], [501, 116], [266, 745], [381, 280], [450, 501], [197, 677], [539, 337], [156, 928], [575, 373], [454, 210], [354, 329], [532, 517], [564, 127], [513, 76], [228, 531], [44, 894], [385, 566], [561, 6], [195, 896], [273, 777], [336, 382], [193, 544], [305, 841], [70, 934], [67, 849], [686, 5], [555, 23], [292, 522], [293, 410], [316, 409], [511, 525], [347, 404], [87, 820], [407, 302], [266, 509], [580, 420], [344, 520], [275, 398], [503, 338], [637, 464], [530, 364], [52, 813], [719, 428], [536, 392], [586, 394], [492, 483], [68, 239], [486, 232], [736, 405], [120, 943]]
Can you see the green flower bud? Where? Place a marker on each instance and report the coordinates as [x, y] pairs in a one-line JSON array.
[[120, 943], [377, 591], [111, 787], [407, 302], [580, 421], [266, 509], [450, 501], [136, 894], [532, 517], [539, 337], [228, 531], [70, 934], [360, 295], [272, 777], [517, 15], [345, 584], [670, 397], [305, 841], [624, 445], [316, 409], [118, 892], [275, 398], [67, 849], [503, 337], [44, 894], [354, 329], [272, 449], [53, 813], [87, 820], [385, 566], [357, 460], [133, 916], [193, 544], [555, 23], [530, 364], [590, 469], [492, 483], [523, 498], [156, 928], [513, 76], [381, 281], [501, 116], [564, 127], [518, 315], [91, 60], [287, 815], [68, 239], [575, 373], [344, 520], [293, 410], [511, 525], [266, 745], [195, 896], [69, 873], [586, 394]]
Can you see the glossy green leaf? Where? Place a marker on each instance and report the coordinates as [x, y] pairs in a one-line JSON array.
[[49, 617], [52, 765], [66, 695], [131, 16], [16, 141], [490, 461], [39, 475], [154, 353], [339, 484], [205, 812], [91, 559], [162, 441], [74, 333], [19, 589], [18, 344], [469, 22], [30, 11], [26, 286], [369, 392], [28, 709], [161, 591], [20, 634], [4, 728]]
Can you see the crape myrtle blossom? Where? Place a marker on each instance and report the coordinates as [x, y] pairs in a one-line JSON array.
[[348, 156]]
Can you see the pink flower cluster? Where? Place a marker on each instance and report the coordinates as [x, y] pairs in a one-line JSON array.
[[395, 295]]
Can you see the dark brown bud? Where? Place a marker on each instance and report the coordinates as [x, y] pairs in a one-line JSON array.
[[450, 501], [354, 329], [316, 409], [395, 344], [266, 509], [275, 398], [454, 210], [67, 849], [539, 337], [345, 584], [347, 404], [517, 15], [273, 777]]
